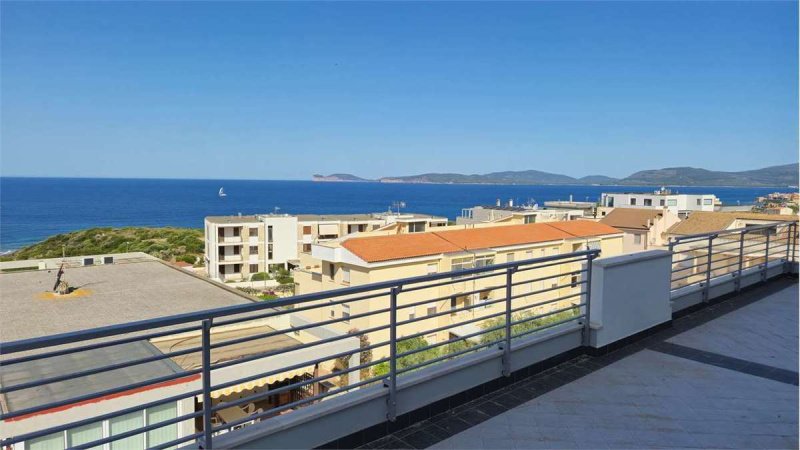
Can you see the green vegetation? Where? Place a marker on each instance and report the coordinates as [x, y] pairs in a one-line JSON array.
[[170, 244], [260, 276], [523, 327], [283, 276], [268, 297], [407, 345]]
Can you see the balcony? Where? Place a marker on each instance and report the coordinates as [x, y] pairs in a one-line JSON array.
[[639, 360]]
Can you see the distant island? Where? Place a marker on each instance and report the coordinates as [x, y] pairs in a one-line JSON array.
[[785, 175], [168, 243]]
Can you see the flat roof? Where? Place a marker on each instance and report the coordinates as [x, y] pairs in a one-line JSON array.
[[233, 219]]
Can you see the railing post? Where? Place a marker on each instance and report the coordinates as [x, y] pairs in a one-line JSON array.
[[766, 258], [741, 262], [391, 402], [507, 341], [794, 233], [206, 374], [708, 267], [587, 328]]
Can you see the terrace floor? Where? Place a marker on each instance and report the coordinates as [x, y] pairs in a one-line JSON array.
[[721, 377]]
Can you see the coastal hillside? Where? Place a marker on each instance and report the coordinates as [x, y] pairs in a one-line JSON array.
[[784, 175], [170, 244]]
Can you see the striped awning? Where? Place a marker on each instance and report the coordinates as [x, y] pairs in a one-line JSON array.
[[253, 384]]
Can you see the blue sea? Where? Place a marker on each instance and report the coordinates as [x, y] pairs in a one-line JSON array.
[[32, 209]]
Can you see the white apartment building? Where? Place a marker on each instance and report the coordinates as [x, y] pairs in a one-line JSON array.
[[515, 214], [680, 204], [240, 246], [236, 247]]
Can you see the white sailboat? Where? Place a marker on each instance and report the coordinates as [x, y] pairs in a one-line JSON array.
[[222, 193]]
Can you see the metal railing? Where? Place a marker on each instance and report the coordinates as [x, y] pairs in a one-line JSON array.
[[700, 258], [386, 330]]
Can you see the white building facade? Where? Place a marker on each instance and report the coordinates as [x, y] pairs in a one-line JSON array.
[[680, 204]]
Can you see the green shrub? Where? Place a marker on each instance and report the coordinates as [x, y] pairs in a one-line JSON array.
[[268, 297], [260, 276]]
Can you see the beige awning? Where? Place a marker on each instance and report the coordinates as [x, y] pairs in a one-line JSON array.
[[250, 385], [328, 229]]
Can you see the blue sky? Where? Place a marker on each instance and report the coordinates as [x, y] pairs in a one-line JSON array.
[[285, 90]]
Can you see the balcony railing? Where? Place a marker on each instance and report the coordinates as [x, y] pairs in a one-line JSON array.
[[394, 337], [700, 259]]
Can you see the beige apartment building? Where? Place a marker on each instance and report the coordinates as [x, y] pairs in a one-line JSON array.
[[644, 229], [362, 260]]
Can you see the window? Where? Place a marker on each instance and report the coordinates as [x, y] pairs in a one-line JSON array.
[[128, 422], [637, 239], [269, 251], [483, 261], [633, 201], [412, 314], [306, 248], [530, 218], [53, 441], [236, 231], [510, 257], [460, 264], [610, 202], [433, 268], [707, 201], [253, 249], [416, 227], [594, 245], [672, 202], [331, 271], [253, 268], [164, 434], [430, 309], [345, 275], [88, 261], [307, 229], [269, 233], [698, 202], [661, 202], [346, 313], [108, 260], [85, 434], [485, 296], [573, 282], [648, 202]]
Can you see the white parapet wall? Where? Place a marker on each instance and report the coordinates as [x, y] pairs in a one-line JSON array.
[[629, 293]]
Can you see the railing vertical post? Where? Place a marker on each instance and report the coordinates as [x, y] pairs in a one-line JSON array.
[[507, 340], [391, 404], [766, 257], [206, 373], [587, 328], [671, 247], [788, 242], [794, 234], [741, 262], [709, 255]]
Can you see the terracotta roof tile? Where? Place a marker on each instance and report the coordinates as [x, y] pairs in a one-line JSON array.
[[707, 222], [387, 248]]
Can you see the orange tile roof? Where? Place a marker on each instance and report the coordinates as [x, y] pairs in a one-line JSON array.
[[401, 246]]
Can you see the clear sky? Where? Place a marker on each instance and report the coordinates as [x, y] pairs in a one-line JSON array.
[[285, 90]]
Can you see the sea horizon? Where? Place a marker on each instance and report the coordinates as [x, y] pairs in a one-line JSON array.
[[35, 208]]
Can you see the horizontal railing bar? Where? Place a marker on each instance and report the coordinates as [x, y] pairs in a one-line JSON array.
[[87, 372], [66, 351], [558, 275], [553, 288], [296, 366], [300, 328], [450, 341], [283, 312], [536, 305], [290, 405], [92, 396], [474, 348], [140, 430], [558, 263], [688, 276], [447, 311], [130, 327], [94, 419], [175, 442], [449, 296], [447, 327], [550, 325], [733, 231], [455, 279], [301, 383], [550, 313]]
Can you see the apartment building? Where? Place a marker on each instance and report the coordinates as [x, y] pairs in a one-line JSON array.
[[709, 222], [679, 204], [362, 260], [515, 215], [644, 229], [237, 247]]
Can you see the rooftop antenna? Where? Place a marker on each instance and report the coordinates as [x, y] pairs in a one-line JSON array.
[[397, 205]]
